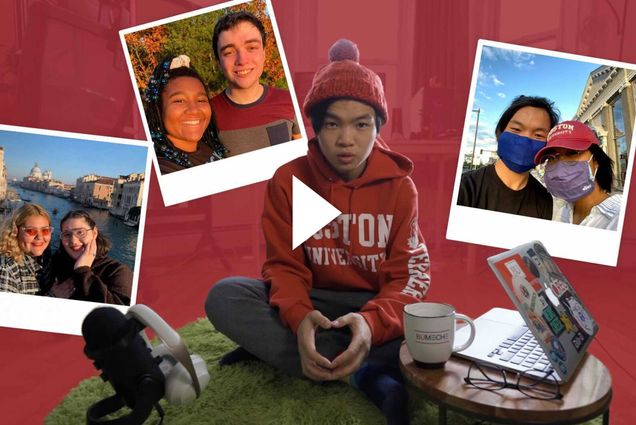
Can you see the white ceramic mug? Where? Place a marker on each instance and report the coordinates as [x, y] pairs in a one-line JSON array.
[[429, 330]]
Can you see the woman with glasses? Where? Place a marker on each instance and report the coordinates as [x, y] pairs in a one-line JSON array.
[[24, 253], [579, 175], [83, 261]]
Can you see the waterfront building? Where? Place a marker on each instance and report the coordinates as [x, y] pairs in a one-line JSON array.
[[94, 191], [44, 182], [57, 188], [82, 189], [127, 194], [36, 173], [3, 176], [608, 105]]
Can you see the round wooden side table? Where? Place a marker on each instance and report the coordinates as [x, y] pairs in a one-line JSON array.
[[586, 396]]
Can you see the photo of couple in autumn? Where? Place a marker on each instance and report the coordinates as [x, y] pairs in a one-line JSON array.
[[212, 86]]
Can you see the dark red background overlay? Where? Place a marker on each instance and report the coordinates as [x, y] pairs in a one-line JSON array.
[[62, 67]]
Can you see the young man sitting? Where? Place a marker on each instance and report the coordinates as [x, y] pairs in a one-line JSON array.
[[332, 308]]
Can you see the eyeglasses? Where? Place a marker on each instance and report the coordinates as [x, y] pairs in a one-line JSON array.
[[33, 231], [569, 154], [78, 233], [531, 383]]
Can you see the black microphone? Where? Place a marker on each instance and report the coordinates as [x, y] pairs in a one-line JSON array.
[[114, 344]]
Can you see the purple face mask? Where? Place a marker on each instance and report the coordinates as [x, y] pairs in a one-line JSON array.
[[569, 180]]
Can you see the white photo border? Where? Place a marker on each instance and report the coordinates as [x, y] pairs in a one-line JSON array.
[[502, 230], [230, 173], [49, 314]]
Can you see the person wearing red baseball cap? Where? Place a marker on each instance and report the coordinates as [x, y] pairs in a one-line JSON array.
[[579, 174], [331, 309]]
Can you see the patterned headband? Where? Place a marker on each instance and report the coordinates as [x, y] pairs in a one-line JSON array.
[[161, 75]]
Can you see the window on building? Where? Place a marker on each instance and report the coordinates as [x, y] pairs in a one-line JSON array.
[[597, 124], [619, 139]]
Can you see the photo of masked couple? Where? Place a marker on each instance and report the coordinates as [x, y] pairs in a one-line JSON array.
[[79, 268], [575, 184], [561, 155]]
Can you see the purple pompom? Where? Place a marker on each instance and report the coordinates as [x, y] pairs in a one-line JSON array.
[[344, 49]]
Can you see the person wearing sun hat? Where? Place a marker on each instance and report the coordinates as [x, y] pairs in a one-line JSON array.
[[332, 308], [579, 175]]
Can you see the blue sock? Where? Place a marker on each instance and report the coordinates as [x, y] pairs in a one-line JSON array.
[[384, 387]]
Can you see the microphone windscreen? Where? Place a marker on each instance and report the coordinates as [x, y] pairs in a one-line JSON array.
[[103, 327], [116, 347]]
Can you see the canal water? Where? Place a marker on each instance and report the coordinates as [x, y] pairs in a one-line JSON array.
[[122, 237]]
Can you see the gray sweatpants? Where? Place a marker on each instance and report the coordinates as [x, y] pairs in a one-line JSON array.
[[239, 308]]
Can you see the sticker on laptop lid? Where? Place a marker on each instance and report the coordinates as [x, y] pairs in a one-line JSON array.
[[569, 326], [578, 340], [558, 286], [514, 268], [553, 320], [520, 278], [522, 290], [558, 350], [539, 326], [580, 315], [542, 304], [543, 259]]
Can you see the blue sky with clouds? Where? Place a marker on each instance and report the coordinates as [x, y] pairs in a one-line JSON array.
[[505, 74], [67, 158]]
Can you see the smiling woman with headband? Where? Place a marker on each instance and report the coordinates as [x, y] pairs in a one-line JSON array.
[[25, 254], [579, 174], [179, 117], [82, 261]]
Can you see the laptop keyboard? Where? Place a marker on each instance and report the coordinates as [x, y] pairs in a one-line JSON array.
[[522, 349]]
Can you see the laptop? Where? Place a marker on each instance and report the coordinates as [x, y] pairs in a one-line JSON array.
[[551, 329]]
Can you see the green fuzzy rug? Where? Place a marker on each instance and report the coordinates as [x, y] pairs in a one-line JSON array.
[[254, 393]]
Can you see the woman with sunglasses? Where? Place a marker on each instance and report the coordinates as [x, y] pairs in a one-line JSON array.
[[579, 175], [82, 260], [24, 254]]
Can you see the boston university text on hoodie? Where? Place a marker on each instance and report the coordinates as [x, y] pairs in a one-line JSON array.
[[374, 245]]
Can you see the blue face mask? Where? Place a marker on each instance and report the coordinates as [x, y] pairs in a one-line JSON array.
[[518, 152]]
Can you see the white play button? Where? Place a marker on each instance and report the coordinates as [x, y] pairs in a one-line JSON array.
[[310, 212]]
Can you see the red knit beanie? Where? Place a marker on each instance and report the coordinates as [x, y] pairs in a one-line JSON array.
[[345, 77]]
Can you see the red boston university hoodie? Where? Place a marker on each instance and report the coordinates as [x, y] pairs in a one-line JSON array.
[[374, 245]]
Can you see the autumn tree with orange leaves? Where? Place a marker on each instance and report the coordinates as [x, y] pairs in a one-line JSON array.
[[144, 48]]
